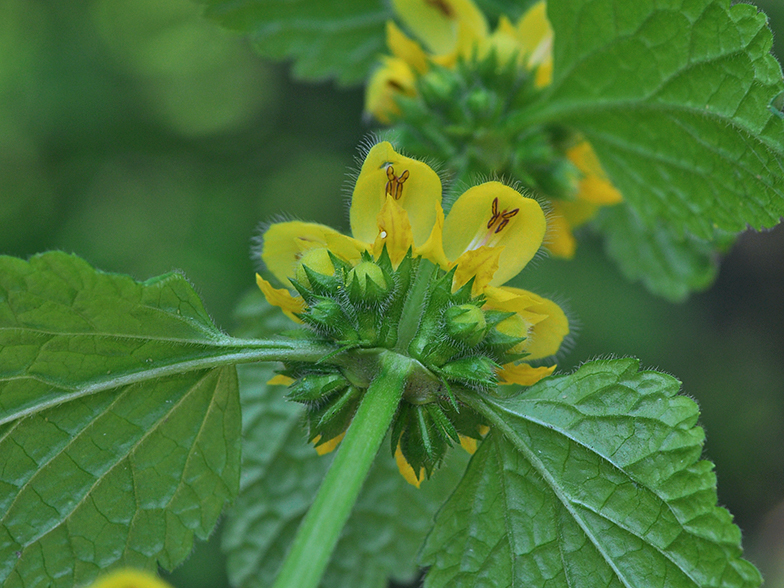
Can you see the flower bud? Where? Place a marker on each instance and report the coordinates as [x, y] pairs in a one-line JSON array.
[[366, 282], [317, 260], [480, 101], [328, 314], [438, 85], [477, 370], [313, 387], [466, 323]]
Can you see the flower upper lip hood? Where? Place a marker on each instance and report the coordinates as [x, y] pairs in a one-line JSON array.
[[490, 234]]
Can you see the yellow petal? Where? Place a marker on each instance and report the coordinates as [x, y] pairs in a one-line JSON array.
[[468, 443], [280, 380], [433, 248], [522, 374], [517, 326], [536, 36], [129, 578], [281, 298], [559, 240], [394, 231], [405, 48], [437, 22], [546, 334], [504, 43], [327, 446], [544, 73], [577, 212], [495, 215], [406, 470], [284, 244], [480, 264], [413, 185], [470, 42], [594, 187], [392, 79]]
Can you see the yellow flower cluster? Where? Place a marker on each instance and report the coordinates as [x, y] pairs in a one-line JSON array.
[[453, 30], [490, 234]]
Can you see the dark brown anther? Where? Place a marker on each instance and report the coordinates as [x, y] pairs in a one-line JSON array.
[[395, 183], [505, 216]]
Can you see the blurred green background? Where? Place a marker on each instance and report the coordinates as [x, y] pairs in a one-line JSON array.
[[145, 139]]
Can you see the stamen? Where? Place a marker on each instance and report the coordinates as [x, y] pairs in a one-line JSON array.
[[494, 216], [504, 216], [395, 183], [496, 224]]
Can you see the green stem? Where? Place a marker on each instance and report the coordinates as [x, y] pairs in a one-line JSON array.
[[320, 529]]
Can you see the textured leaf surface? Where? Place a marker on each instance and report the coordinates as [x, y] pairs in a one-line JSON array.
[[667, 265], [590, 479], [675, 98], [119, 441], [281, 474], [326, 38]]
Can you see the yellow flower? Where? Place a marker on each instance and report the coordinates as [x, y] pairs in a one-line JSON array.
[[129, 578], [490, 234], [396, 202], [594, 190], [451, 30]]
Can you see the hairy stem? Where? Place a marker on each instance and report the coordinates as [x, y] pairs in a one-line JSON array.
[[320, 529]]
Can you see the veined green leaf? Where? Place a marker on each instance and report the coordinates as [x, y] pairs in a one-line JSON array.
[[119, 420], [68, 331], [590, 479], [675, 97], [326, 38], [281, 473], [668, 265]]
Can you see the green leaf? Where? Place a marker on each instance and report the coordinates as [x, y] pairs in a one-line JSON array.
[[675, 97], [667, 265], [281, 473], [590, 479], [119, 421], [338, 39]]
